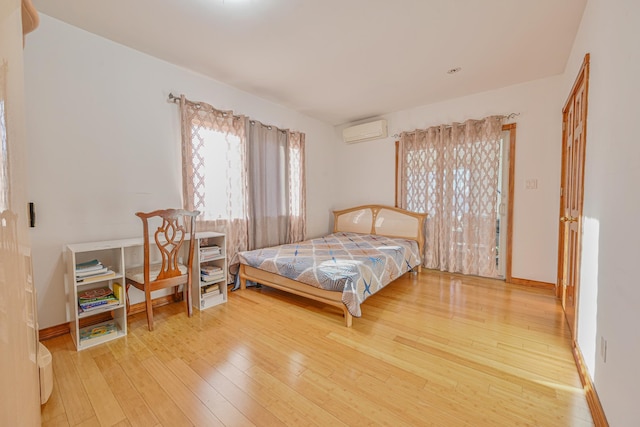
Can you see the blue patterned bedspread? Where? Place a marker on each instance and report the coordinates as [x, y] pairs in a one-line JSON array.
[[358, 265]]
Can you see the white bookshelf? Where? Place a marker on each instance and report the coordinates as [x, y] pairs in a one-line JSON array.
[[215, 261], [111, 255]]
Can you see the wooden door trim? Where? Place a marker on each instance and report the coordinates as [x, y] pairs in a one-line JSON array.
[[583, 73], [396, 175], [532, 283], [595, 406], [512, 172], [563, 175]]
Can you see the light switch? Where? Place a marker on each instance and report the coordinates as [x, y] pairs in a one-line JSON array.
[[531, 184]]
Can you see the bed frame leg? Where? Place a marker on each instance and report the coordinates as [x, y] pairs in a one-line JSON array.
[[348, 318], [243, 279]]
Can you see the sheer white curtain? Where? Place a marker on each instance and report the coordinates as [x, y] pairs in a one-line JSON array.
[[450, 172], [297, 186]]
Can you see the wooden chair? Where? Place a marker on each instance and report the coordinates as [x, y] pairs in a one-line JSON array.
[[169, 239]]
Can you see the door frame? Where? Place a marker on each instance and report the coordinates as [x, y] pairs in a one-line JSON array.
[[511, 127], [583, 76]]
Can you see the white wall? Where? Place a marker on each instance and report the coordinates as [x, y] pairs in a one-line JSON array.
[[609, 300], [367, 169], [104, 144]]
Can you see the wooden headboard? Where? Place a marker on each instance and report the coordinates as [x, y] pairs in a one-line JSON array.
[[381, 220]]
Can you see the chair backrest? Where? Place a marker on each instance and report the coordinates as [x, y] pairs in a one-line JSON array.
[[169, 237]]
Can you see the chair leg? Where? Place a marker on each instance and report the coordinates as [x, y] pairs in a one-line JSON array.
[[126, 291], [187, 295], [149, 308]]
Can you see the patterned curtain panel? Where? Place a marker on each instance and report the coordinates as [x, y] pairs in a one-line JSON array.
[[451, 172], [297, 187], [214, 174]]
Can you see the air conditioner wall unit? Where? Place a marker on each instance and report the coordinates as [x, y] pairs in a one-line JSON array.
[[365, 132]]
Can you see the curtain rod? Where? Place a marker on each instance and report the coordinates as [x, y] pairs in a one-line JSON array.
[[176, 100], [504, 116]]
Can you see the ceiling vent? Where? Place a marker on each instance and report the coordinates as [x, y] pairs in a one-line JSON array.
[[365, 132]]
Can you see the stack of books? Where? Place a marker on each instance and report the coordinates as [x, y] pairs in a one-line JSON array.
[[210, 252], [211, 273], [91, 271], [100, 332], [210, 290], [98, 298]]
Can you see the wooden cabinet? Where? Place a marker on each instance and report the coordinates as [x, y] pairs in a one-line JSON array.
[[209, 287], [108, 321]]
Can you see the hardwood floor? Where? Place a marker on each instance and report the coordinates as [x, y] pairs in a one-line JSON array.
[[431, 349]]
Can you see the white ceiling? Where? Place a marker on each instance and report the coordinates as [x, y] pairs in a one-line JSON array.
[[342, 60]]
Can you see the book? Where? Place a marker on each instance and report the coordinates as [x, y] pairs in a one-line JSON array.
[[208, 253], [102, 307], [209, 300], [97, 277], [117, 291], [91, 272], [97, 298], [212, 289], [208, 269], [94, 267], [87, 264], [210, 249], [98, 331], [87, 306], [211, 278], [219, 273], [95, 293]]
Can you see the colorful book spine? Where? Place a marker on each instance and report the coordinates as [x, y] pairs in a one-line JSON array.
[[117, 291]]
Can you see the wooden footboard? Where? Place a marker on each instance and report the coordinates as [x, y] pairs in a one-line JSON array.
[[285, 284]]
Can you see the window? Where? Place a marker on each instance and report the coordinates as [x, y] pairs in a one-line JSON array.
[[218, 189]]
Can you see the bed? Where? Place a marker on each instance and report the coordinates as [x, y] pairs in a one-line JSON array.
[[370, 247]]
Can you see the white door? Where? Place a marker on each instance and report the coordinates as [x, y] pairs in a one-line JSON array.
[[19, 383]]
